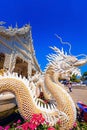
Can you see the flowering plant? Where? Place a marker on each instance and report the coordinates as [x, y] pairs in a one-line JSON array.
[[37, 122]]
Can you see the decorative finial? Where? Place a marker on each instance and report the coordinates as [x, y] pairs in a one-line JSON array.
[[2, 22], [16, 25], [10, 28]]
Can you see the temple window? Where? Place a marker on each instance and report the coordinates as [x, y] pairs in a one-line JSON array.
[[33, 72], [21, 67]]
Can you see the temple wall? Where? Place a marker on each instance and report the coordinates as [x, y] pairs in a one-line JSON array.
[[5, 49]]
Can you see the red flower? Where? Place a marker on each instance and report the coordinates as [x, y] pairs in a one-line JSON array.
[[7, 127], [35, 121], [59, 122], [1, 128], [19, 127], [32, 126], [25, 126], [19, 121], [51, 128], [75, 125], [47, 123]]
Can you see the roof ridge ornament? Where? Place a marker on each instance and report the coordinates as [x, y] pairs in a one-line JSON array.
[[2, 22]]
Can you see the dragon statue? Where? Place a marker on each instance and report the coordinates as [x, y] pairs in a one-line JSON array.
[[60, 66]]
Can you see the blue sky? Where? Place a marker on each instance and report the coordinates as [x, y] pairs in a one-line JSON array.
[[67, 18]]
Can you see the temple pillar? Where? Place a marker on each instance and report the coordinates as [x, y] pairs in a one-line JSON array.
[[12, 61], [29, 68], [7, 61]]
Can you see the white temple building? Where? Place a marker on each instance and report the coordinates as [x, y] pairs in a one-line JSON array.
[[17, 52]]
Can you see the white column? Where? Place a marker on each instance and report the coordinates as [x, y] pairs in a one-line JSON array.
[[29, 68], [7, 61], [12, 61]]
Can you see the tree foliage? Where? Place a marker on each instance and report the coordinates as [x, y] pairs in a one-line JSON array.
[[74, 78], [84, 76]]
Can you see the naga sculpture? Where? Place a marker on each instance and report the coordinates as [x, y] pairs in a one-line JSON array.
[[27, 91]]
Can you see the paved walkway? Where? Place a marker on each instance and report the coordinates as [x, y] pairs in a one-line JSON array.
[[79, 95]]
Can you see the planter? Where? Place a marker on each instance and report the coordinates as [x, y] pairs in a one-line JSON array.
[[7, 105]]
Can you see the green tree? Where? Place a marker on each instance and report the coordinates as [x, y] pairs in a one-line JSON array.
[[84, 76], [74, 78]]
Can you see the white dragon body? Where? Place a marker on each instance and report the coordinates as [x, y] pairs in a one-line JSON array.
[[27, 91]]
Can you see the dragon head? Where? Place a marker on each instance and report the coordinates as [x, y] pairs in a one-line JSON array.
[[65, 65]]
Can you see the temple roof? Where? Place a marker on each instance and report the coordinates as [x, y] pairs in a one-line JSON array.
[[13, 31]]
